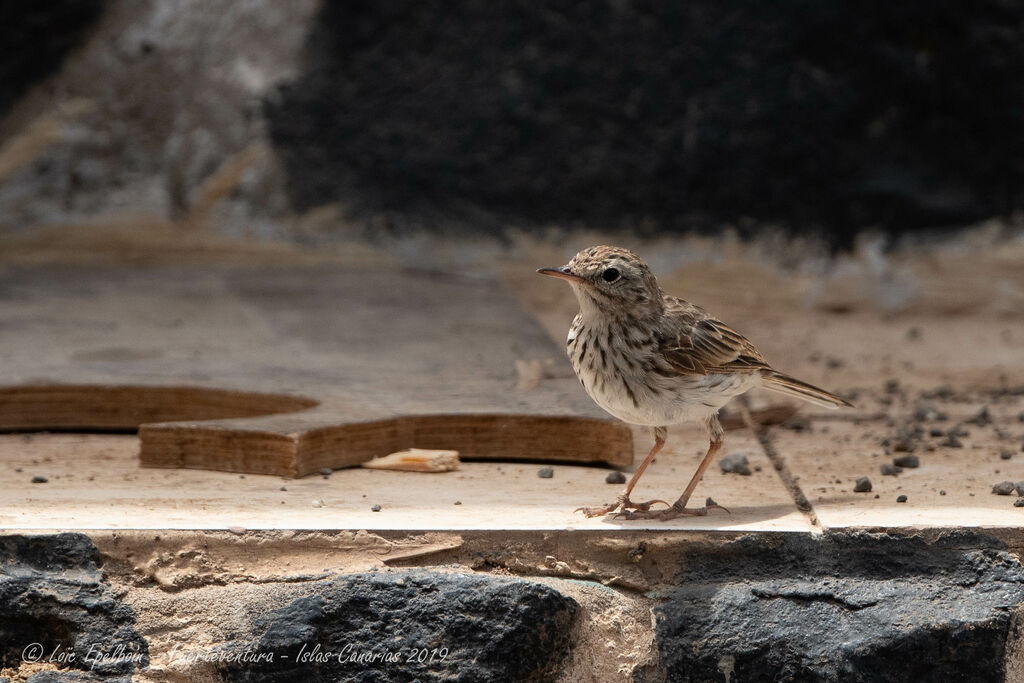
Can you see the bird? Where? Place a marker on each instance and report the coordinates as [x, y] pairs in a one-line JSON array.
[[655, 360]]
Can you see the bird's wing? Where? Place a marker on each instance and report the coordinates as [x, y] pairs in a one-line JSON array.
[[693, 342]]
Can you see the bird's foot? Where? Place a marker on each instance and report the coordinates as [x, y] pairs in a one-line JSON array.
[[623, 504], [674, 511]]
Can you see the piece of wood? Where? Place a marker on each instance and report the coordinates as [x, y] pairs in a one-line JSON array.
[[416, 460], [123, 408], [293, 451], [240, 432], [287, 370]]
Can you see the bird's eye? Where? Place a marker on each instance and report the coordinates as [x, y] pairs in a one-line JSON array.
[[610, 275]]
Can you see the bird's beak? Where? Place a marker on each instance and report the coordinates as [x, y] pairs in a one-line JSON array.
[[562, 273]]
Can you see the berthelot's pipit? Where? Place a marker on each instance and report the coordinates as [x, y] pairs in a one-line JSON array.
[[656, 360]]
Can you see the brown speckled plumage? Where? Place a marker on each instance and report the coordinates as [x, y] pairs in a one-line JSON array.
[[657, 360]]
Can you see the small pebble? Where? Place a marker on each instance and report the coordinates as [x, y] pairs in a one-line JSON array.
[[1019, 503], [375, 508], [877, 496], [863, 485], [545, 473], [797, 423], [237, 530], [458, 502], [903, 445], [951, 442], [39, 480], [892, 386], [909, 461], [615, 478], [942, 492], [284, 488], [890, 470], [1004, 488], [982, 419], [941, 392], [901, 499], [936, 432], [1019, 488], [735, 463], [1005, 455], [318, 502], [926, 411], [326, 471]]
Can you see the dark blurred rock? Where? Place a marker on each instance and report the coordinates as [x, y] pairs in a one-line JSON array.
[[53, 593], [890, 470], [1004, 488], [906, 461], [36, 37], [881, 602], [926, 411], [981, 419], [810, 114], [490, 629], [74, 677], [615, 478], [951, 441], [735, 463]]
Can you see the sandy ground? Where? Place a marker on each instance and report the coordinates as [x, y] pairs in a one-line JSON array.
[[94, 482], [887, 331]]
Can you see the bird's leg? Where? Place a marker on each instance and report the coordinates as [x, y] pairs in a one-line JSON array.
[[623, 502], [679, 509]]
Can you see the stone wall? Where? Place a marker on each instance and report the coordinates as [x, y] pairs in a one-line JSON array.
[[503, 606], [822, 117]]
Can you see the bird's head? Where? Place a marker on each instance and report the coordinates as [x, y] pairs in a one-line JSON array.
[[611, 280]]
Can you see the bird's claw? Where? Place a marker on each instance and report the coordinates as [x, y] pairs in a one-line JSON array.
[[623, 506], [674, 511]]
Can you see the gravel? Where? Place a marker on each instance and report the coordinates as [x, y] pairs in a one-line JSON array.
[[908, 461], [1004, 488], [928, 412], [615, 478], [890, 470], [951, 441], [736, 464], [982, 419]]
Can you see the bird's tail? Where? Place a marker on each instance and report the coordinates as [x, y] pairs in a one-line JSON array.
[[785, 384]]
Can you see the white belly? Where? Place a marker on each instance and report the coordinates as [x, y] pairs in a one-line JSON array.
[[652, 399], [682, 400]]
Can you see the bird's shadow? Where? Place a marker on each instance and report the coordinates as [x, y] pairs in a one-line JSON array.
[[776, 517]]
